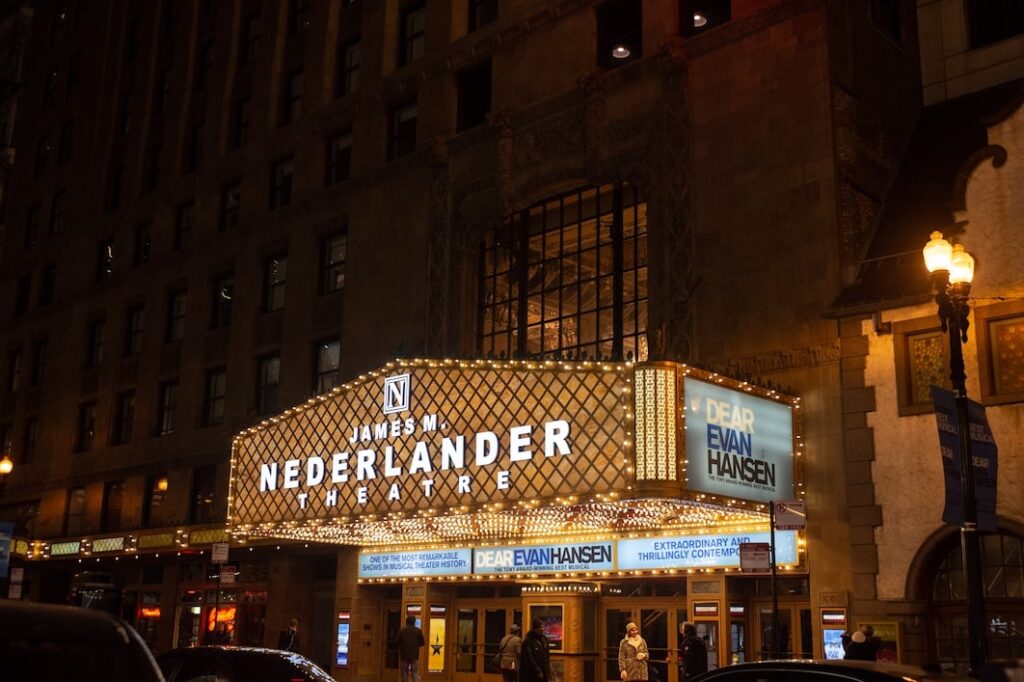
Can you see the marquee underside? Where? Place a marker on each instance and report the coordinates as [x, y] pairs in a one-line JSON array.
[[497, 523]]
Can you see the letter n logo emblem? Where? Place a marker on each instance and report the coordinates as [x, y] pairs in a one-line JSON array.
[[396, 394]]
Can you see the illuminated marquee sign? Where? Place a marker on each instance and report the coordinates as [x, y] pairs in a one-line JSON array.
[[737, 445], [419, 563], [423, 435], [680, 552], [699, 551], [577, 556]]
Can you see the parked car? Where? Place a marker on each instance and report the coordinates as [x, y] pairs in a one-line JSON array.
[[47, 642], [825, 671], [238, 664]]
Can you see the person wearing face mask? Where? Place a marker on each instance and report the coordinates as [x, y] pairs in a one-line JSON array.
[[633, 655]]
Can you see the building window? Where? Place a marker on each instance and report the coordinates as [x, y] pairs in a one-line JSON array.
[[152, 173], [240, 132], [66, 141], [1000, 331], [58, 206], [204, 487], [114, 187], [113, 499], [339, 158], [230, 204], [474, 85], [250, 39], [349, 59], [24, 515], [124, 418], [275, 277], [223, 293], [134, 318], [990, 21], [619, 33], [922, 361], [298, 16], [697, 16], [13, 370], [413, 27], [49, 88], [291, 100], [94, 350], [143, 240], [167, 409], [184, 221], [402, 133], [152, 504], [42, 154], [74, 73], [176, 302], [127, 102], [6, 441], [268, 376], [213, 396], [104, 260], [328, 360], [31, 440], [195, 147], [1003, 581], [333, 251], [74, 516], [482, 12], [32, 226], [47, 284], [86, 427], [22, 294], [281, 182], [38, 362], [163, 90], [204, 65], [568, 278]]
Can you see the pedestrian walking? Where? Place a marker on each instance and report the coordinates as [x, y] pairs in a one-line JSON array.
[[695, 653], [409, 640], [535, 657], [509, 651], [288, 640]]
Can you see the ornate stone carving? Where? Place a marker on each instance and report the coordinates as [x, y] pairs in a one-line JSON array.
[[755, 366]]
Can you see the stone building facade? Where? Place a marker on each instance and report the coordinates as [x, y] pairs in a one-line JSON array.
[[224, 208]]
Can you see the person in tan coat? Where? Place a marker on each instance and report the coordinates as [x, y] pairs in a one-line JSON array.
[[633, 655]]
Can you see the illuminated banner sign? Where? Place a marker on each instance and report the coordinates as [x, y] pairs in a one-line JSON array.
[[419, 563], [437, 434], [577, 556], [737, 445], [699, 551]]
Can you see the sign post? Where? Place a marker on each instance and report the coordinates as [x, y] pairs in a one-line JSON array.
[[219, 556], [775, 585], [782, 515]]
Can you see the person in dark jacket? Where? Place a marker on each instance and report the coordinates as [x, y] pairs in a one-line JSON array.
[[288, 640], [864, 645], [695, 653], [535, 658], [409, 640]]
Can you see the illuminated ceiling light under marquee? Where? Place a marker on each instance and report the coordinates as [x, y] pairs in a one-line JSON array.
[[601, 488]]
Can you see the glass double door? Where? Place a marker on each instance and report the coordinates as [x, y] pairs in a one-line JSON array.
[[660, 626], [479, 628], [795, 631]]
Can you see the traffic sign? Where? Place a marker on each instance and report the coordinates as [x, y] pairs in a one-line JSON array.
[[220, 552], [790, 515], [755, 557]]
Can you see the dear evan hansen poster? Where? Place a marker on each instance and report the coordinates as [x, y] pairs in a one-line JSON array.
[[737, 445]]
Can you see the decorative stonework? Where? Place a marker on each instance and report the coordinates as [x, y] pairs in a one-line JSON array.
[[779, 360]]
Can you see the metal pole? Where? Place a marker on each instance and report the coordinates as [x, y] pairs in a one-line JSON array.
[[970, 543], [775, 586]]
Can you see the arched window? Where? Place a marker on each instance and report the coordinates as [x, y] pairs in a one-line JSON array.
[[567, 277], [1003, 574]]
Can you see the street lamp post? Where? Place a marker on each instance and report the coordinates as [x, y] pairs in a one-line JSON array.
[[952, 270]]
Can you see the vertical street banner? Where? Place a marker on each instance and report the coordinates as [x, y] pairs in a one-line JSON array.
[[984, 455]]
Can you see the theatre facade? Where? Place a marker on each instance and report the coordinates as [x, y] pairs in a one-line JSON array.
[[476, 494]]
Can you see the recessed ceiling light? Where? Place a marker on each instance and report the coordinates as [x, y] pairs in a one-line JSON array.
[[620, 52], [699, 20]]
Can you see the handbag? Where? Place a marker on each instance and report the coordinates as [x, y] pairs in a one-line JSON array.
[[496, 661]]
